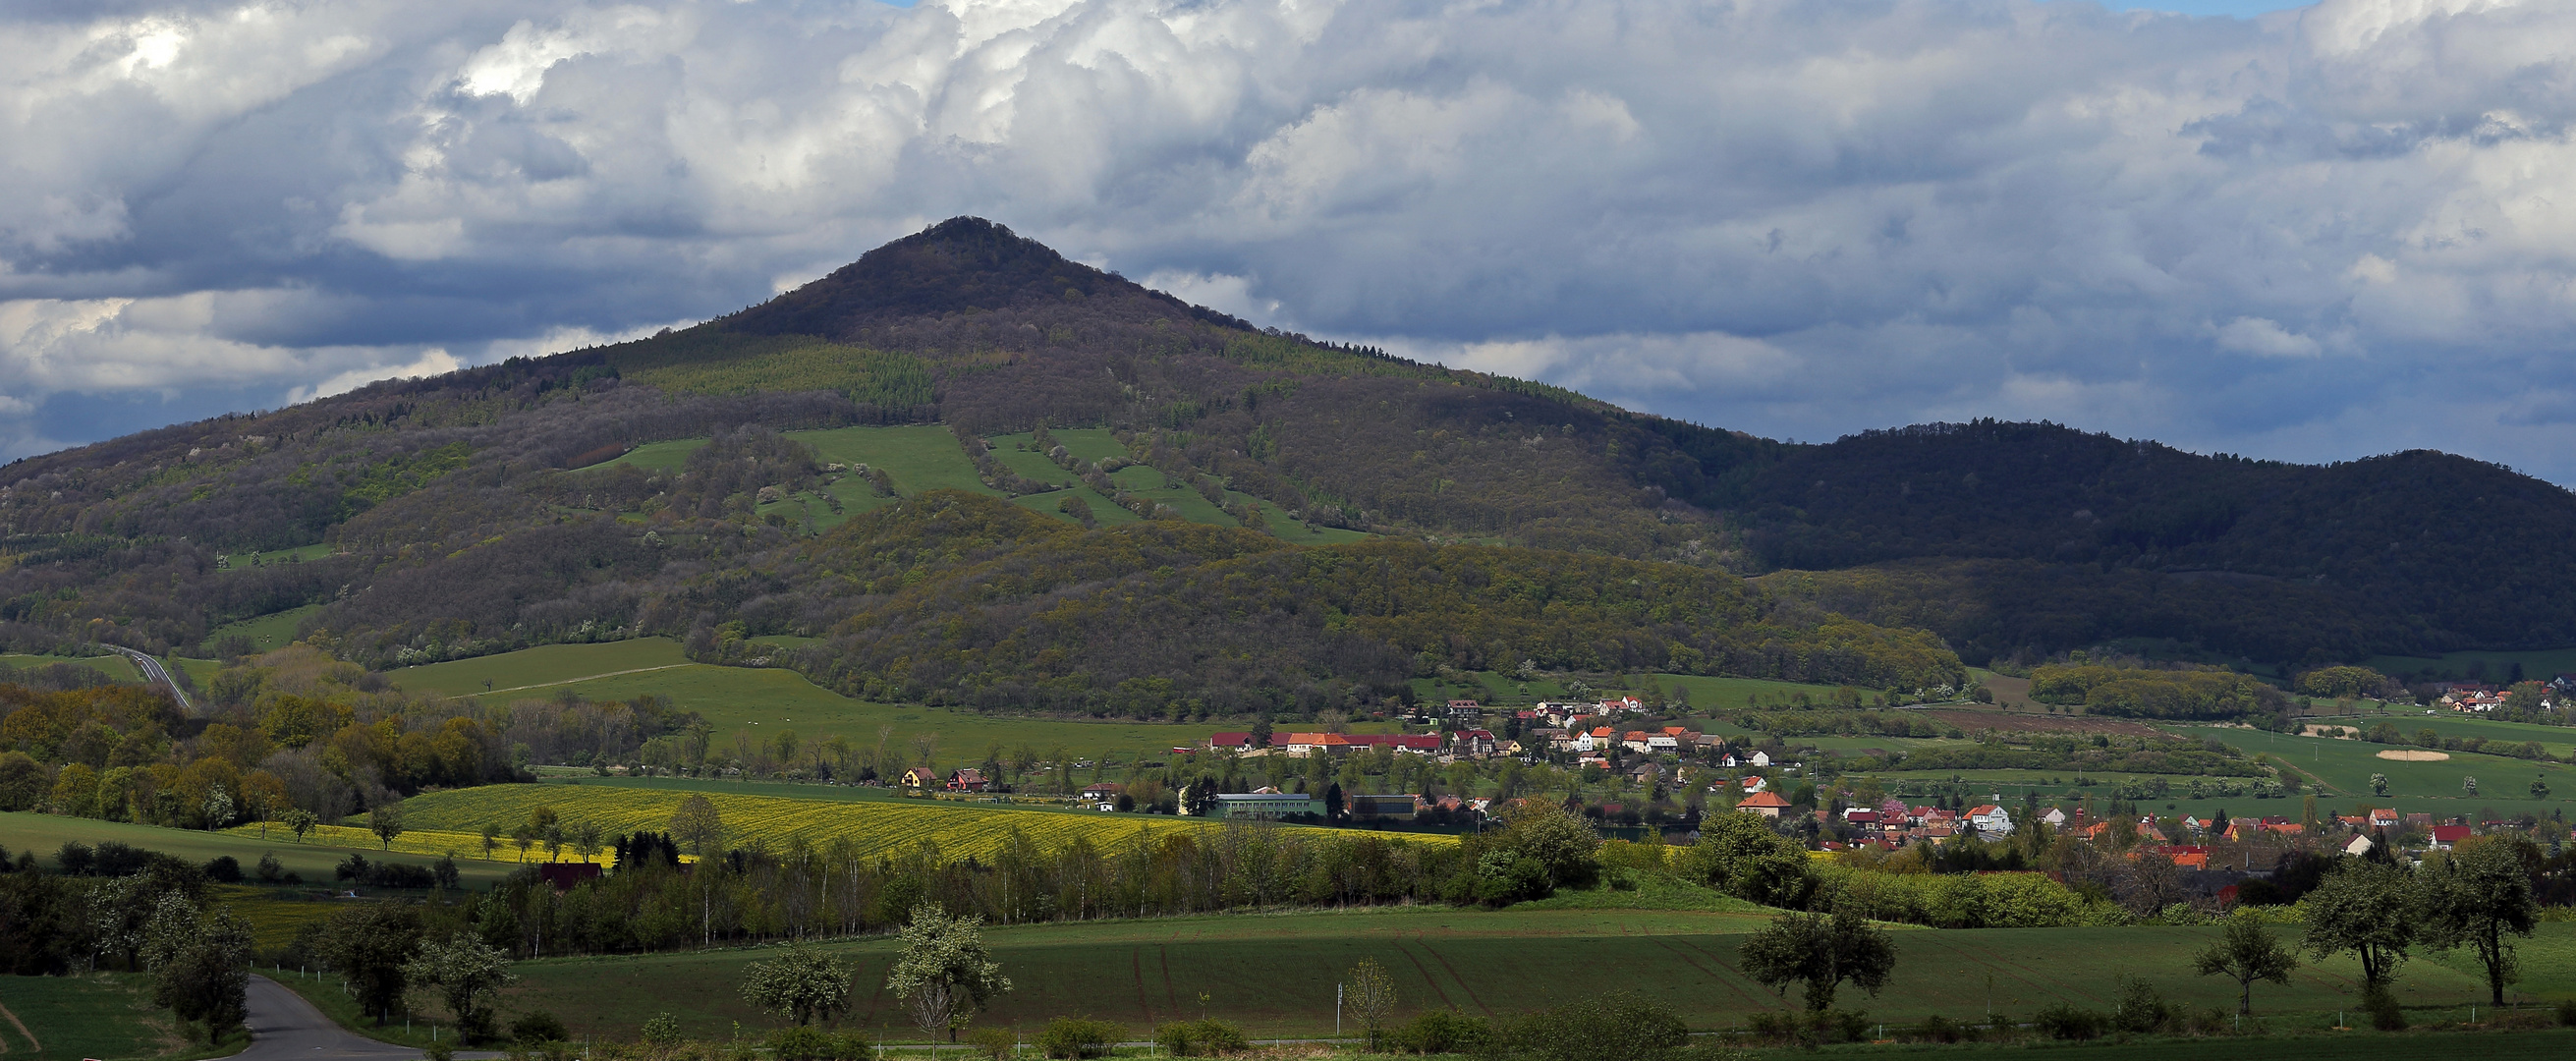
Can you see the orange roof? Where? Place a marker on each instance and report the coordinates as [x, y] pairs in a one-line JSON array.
[[2191, 861], [1763, 799]]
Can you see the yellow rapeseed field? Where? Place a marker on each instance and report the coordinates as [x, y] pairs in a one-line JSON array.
[[874, 827]]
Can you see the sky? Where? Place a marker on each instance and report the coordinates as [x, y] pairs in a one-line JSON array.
[[2301, 232]]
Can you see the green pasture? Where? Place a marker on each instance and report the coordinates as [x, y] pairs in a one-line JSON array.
[[267, 633], [45, 834], [92, 1015], [658, 456], [1275, 973], [2559, 740], [537, 671], [296, 555], [2433, 787], [757, 702], [828, 793], [1497, 689], [117, 668]]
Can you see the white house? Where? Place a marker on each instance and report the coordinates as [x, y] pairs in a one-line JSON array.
[[1991, 819]]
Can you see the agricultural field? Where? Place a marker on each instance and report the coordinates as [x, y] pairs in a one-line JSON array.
[[759, 701], [118, 668], [1275, 973], [267, 633], [313, 859], [876, 827], [537, 671], [93, 1015], [2559, 740], [2346, 766]]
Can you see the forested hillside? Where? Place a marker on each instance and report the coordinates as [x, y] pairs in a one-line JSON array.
[[496, 508], [950, 598]]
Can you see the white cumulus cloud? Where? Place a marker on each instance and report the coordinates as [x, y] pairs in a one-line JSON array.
[[2290, 235]]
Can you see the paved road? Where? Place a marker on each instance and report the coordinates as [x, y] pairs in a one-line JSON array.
[[153, 672], [285, 1027]]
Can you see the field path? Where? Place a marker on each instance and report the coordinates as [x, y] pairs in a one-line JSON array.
[[1717, 976], [569, 681], [22, 1030], [1420, 940], [1427, 978], [1144, 1002], [1170, 995]]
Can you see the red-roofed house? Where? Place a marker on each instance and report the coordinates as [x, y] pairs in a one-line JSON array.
[[968, 779], [1766, 804], [1236, 741], [2446, 835]]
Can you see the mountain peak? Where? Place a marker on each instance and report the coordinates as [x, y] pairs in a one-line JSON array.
[[957, 265]]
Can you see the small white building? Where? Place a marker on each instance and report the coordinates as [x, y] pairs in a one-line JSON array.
[[1991, 819]]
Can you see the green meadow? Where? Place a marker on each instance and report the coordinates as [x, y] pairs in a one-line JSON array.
[[267, 633], [45, 834], [118, 668], [927, 457], [1275, 973], [2347, 765], [92, 1015], [758, 702]]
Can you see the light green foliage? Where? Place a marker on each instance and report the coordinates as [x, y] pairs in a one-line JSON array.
[[944, 975], [2246, 953], [2368, 908], [1371, 995], [1821, 951], [1562, 846], [802, 984], [1954, 900], [2480, 898], [468, 973], [1739, 854]]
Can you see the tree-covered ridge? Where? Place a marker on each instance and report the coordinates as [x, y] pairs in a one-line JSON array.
[[953, 598], [2410, 548]]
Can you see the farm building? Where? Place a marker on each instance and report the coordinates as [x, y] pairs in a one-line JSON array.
[[1265, 805]]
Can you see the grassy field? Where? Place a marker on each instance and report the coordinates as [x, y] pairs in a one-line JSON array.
[[95, 1015], [2346, 765], [45, 834], [268, 632], [1275, 973], [877, 827], [115, 667], [927, 457], [537, 671], [2559, 740], [759, 701]]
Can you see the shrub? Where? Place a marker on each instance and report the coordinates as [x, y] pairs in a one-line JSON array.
[[1937, 1029], [1445, 1031], [2383, 1009], [2567, 1012], [1201, 1038], [852, 1046], [799, 1042], [2065, 1020], [537, 1026], [224, 869], [663, 1031], [1611, 1028], [2211, 1021], [1078, 1037], [996, 1043], [438, 1051], [2140, 1008]]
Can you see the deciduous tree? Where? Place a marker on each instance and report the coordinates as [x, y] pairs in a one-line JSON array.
[[944, 974], [2246, 953], [1821, 951]]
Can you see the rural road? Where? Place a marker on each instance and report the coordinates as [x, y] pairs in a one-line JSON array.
[[283, 1025], [153, 672]]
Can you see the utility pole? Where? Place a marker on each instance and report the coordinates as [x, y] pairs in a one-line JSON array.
[[1337, 1011]]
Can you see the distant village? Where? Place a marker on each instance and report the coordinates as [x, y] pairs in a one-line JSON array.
[[1732, 774]]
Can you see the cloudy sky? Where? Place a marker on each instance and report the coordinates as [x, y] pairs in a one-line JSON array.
[[2311, 233]]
